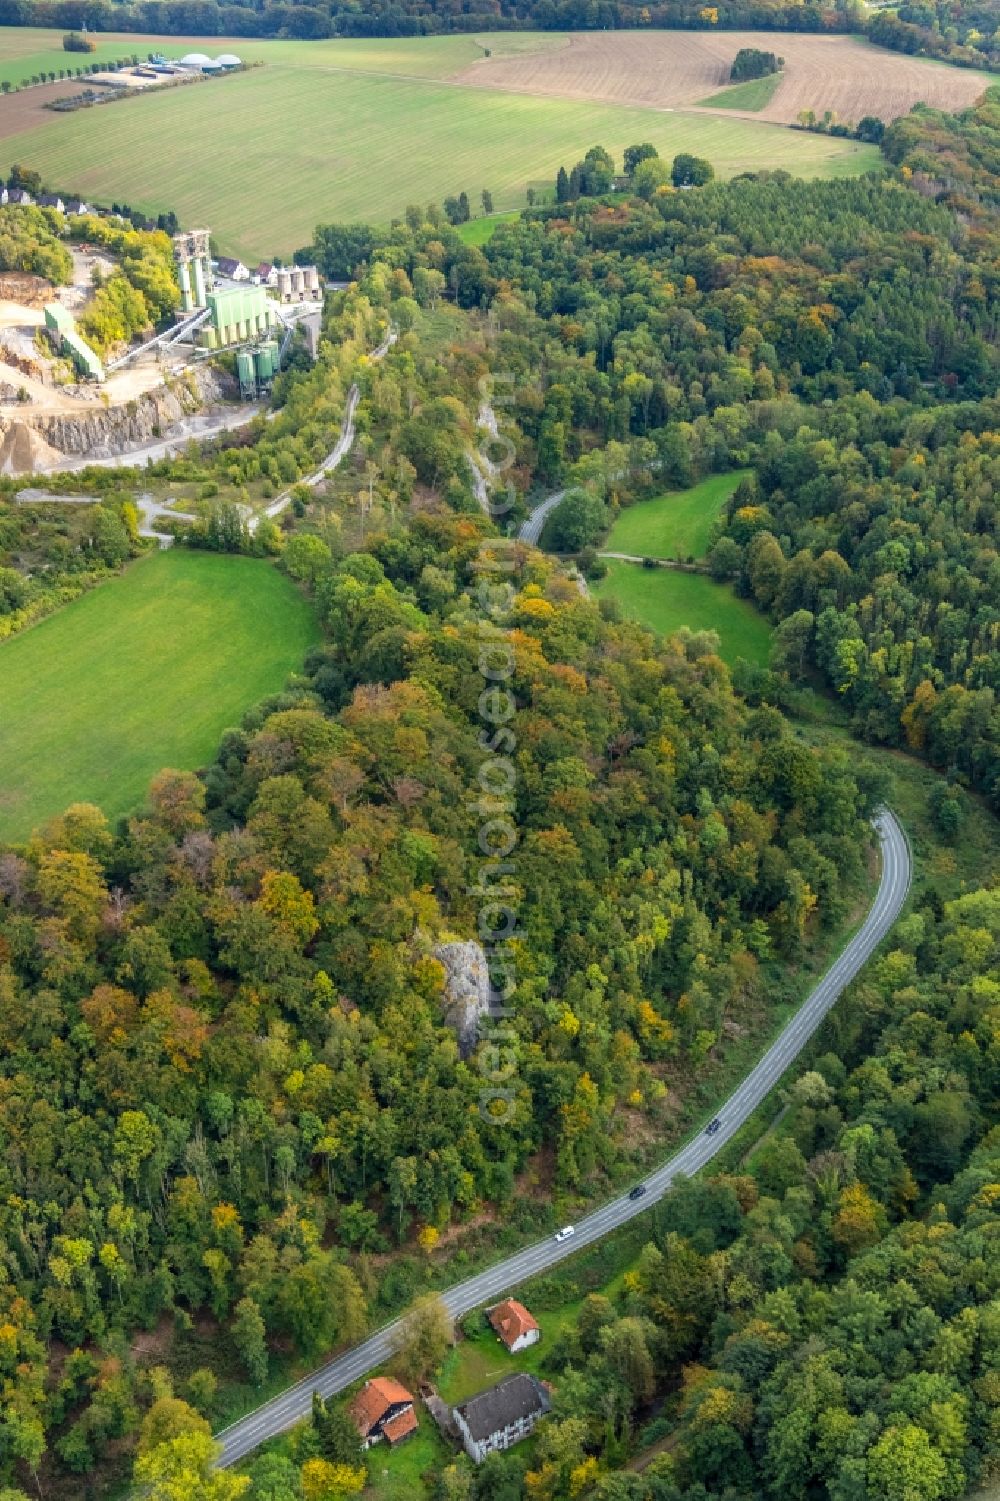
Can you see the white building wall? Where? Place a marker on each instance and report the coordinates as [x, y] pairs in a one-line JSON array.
[[477, 1449]]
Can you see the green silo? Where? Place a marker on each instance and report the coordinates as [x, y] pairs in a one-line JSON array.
[[262, 359], [245, 370]]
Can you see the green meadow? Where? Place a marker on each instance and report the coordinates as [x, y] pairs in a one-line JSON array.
[[481, 231], [665, 599], [675, 525], [142, 673]]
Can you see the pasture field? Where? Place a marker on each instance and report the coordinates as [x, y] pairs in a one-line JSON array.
[[356, 130], [143, 672], [675, 525], [754, 94], [665, 599]]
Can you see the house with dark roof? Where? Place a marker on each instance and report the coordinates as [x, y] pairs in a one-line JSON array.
[[234, 270], [514, 1325], [19, 195], [51, 200], [77, 206], [266, 275], [502, 1416], [383, 1409]]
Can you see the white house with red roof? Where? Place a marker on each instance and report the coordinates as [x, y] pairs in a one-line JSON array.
[[514, 1325]]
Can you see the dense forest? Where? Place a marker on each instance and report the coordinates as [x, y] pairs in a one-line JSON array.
[[854, 369], [236, 1113], [823, 1320], [227, 1079]]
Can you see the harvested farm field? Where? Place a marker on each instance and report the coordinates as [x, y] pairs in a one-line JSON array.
[[679, 69]]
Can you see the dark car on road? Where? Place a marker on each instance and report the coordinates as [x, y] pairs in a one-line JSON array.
[[712, 1127], [638, 1191]]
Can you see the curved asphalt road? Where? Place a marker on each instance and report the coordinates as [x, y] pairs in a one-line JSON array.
[[531, 529], [293, 1405]]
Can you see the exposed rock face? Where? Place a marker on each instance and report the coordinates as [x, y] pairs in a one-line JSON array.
[[37, 439], [466, 990]]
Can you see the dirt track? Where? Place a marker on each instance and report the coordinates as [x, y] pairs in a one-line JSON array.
[[678, 69]]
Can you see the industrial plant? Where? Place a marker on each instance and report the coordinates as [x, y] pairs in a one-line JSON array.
[[224, 309]]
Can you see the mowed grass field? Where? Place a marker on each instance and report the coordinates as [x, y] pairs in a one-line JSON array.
[[665, 599], [675, 525], [331, 131], [142, 673]]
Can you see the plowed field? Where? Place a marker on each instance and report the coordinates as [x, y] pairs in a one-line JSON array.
[[679, 69]]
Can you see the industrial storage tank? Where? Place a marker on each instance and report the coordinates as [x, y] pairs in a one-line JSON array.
[[245, 368], [262, 359], [195, 60], [228, 60]]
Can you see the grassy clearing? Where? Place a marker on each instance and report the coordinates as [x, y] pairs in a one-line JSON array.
[[665, 600], [143, 672], [675, 525], [754, 94], [479, 231], [336, 113]]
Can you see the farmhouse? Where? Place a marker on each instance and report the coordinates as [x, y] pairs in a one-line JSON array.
[[383, 1409], [265, 275], [51, 200], [502, 1416], [77, 206], [234, 270], [514, 1325], [19, 195]]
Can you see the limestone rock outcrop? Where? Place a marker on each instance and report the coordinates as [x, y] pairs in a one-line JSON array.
[[466, 990]]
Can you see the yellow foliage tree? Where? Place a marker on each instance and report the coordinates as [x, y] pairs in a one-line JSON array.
[[860, 1220], [325, 1481]]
